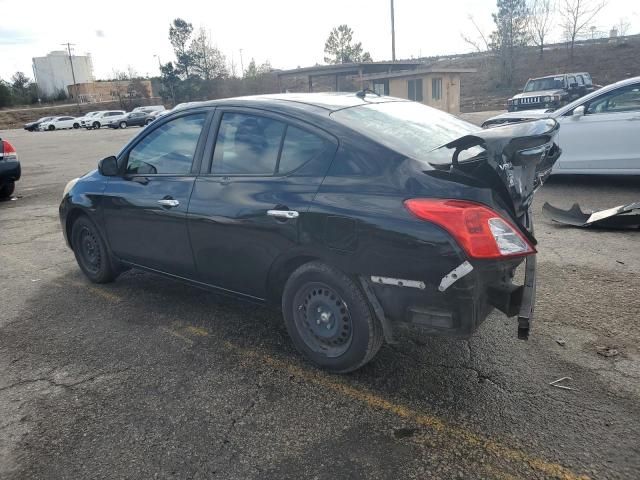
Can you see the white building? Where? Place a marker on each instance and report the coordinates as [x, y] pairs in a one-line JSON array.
[[53, 72]]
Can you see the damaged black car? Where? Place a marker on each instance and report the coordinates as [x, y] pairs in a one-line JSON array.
[[353, 213]]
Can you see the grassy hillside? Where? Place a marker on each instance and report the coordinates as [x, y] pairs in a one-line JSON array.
[[607, 61]]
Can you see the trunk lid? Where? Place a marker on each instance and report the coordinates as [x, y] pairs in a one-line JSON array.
[[514, 161]]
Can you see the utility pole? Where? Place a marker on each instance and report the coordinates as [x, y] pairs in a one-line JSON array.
[[241, 65], [73, 74], [393, 35]]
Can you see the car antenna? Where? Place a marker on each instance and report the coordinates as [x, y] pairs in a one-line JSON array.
[[362, 93]]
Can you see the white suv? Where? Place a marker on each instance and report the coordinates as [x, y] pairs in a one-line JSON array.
[[103, 118]]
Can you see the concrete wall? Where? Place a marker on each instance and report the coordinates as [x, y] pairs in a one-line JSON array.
[[450, 99], [53, 72]]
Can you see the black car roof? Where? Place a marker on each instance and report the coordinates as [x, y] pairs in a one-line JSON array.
[[327, 102]]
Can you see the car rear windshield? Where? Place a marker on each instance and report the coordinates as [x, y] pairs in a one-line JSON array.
[[549, 83], [410, 128]]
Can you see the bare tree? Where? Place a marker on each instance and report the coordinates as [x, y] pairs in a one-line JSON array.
[[623, 27], [540, 24], [577, 16], [480, 42]]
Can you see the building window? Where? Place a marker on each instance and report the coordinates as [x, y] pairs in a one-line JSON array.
[[436, 88], [381, 87], [415, 89]]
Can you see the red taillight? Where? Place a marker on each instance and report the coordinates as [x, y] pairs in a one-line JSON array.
[[7, 151], [480, 231]]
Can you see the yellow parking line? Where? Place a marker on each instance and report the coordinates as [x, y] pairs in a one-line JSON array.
[[101, 292], [459, 434]]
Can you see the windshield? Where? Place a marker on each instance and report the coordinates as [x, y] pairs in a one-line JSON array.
[[549, 83], [410, 128]]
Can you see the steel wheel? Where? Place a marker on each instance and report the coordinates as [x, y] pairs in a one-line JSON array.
[[90, 250], [323, 319]]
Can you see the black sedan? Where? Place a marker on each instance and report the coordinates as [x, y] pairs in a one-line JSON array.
[[352, 212], [34, 126], [133, 119], [10, 170]]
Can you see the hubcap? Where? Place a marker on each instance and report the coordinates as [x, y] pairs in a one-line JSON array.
[[323, 319]]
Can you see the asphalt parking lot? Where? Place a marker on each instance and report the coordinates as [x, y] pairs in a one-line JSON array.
[[149, 378]]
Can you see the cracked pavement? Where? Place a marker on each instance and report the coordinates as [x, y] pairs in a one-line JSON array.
[[149, 378]]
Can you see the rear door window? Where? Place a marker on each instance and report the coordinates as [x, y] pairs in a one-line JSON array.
[[247, 145], [169, 149], [299, 147]]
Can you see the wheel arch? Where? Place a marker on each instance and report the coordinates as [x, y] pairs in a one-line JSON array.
[[281, 271]]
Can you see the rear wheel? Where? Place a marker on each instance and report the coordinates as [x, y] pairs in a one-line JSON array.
[[76, 125], [148, 122], [91, 252], [6, 189], [123, 125], [329, 318]]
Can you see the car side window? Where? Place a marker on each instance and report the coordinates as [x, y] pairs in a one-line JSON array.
[[625, 99], [168, 149], [299, 147], [247, 145]]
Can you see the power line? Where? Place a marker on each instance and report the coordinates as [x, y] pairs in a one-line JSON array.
[[73, 73]]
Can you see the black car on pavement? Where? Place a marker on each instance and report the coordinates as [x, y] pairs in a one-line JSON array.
[[33, 126], [353, 213], [132, 119], [9, 169], [551, 92]]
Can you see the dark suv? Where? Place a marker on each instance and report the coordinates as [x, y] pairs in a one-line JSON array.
[[551, 92]]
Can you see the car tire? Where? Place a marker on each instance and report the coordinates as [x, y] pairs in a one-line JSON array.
[[122, 124], [6, 189], [91, 252], [95, 125], [76, 125], [329, 318], [51, 128], [148, 122]]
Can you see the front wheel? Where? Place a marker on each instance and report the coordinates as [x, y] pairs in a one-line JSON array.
[[51, 128], [148, 122], [123, 125], [329, 318], [76, 125], [96, 125], [91, 252]]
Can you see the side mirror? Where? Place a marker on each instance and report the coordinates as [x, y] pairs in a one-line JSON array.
[[108, 166], [578, 111]]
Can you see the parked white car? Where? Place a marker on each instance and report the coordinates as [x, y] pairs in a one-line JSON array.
[[103, 118], [86, 119], [59, 123], [599, 133]]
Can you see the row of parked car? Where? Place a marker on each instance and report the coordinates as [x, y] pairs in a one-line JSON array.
[[139, 117]]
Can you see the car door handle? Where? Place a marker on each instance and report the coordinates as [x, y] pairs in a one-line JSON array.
[[165, 202], [287, 214]]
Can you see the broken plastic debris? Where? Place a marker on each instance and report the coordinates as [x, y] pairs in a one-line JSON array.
[[606, 351], [620, 217], [556, 383]]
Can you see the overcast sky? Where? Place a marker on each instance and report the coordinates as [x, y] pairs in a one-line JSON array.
[[288, 33]]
